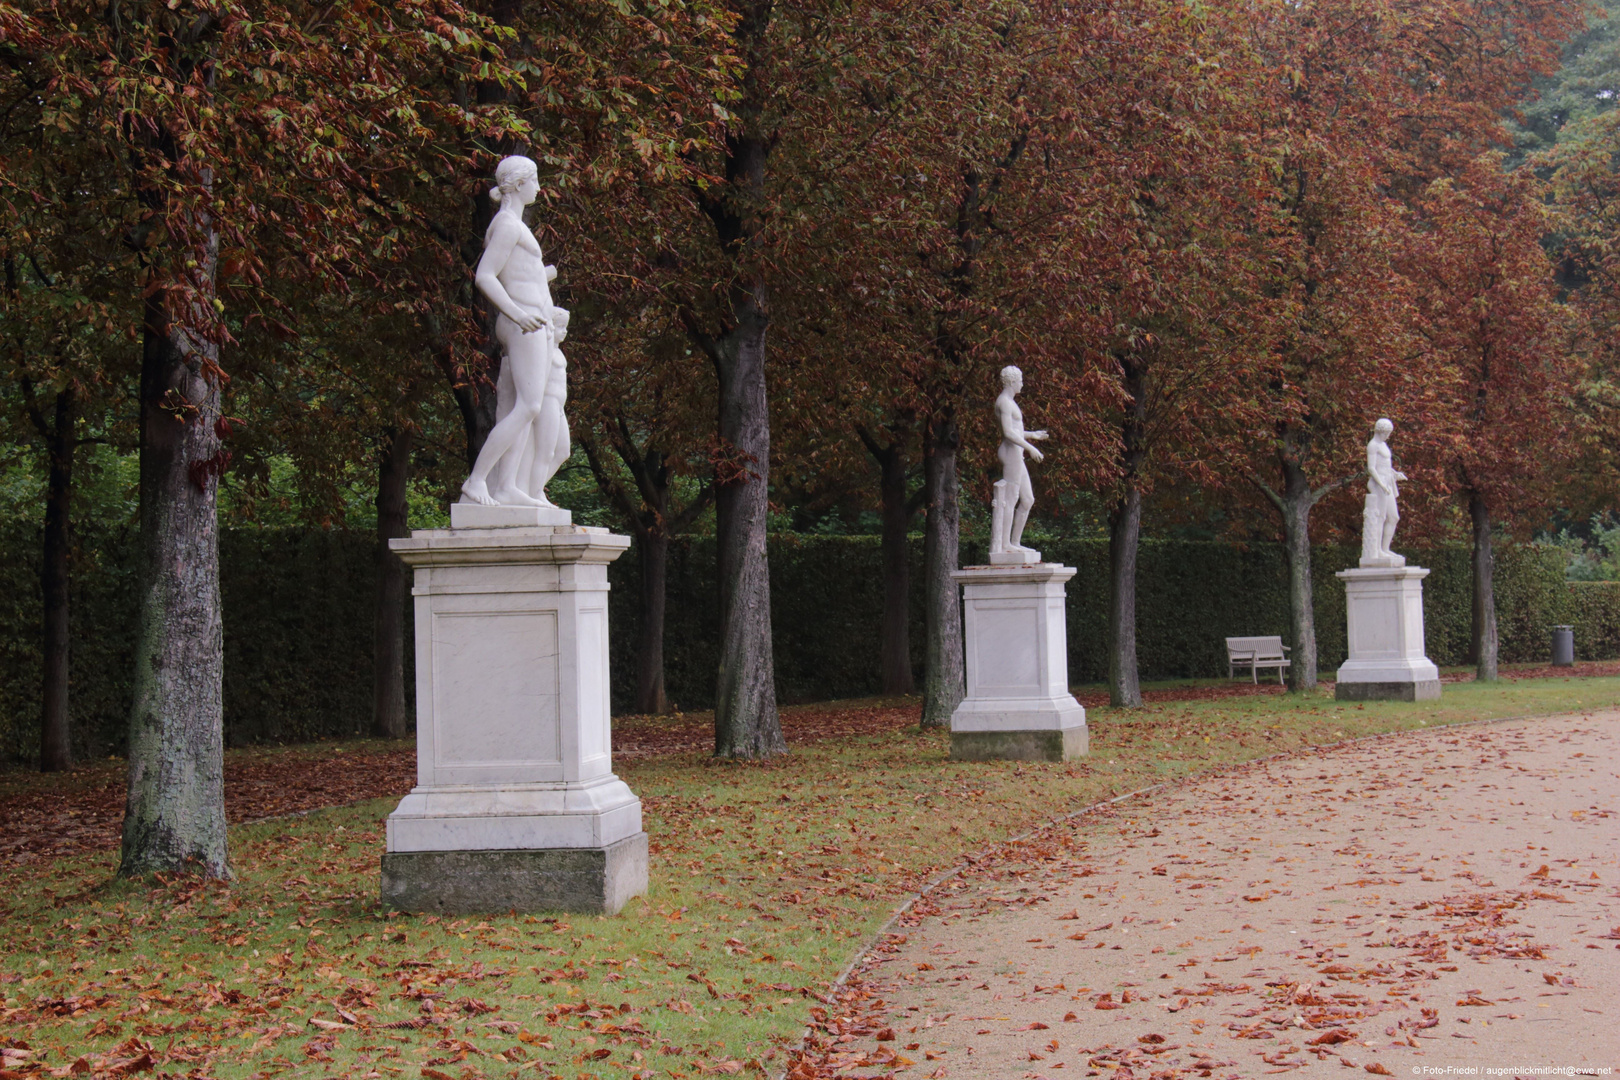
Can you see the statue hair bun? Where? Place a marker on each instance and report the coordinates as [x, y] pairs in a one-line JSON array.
[[495, 195]]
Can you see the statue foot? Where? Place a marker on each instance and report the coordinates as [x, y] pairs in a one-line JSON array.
[[474, 491], [514, 496]]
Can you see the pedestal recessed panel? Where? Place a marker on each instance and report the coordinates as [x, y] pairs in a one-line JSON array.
[[1004, 647], [495, 682]]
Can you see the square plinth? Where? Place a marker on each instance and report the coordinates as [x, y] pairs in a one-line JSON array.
[[516, 806], [1018, 706], [1384, 609], [588, 881]]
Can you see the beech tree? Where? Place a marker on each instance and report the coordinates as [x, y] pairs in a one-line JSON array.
[[1182, 289], [1490, 312], [1367, 105], [218, 123]]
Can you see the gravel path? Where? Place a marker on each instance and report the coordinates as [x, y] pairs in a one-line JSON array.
[[1423, 904]]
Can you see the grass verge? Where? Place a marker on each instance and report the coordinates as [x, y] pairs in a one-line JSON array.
[[765, 880]]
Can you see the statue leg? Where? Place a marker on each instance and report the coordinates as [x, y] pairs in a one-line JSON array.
[[1026, 500], [550, 456], [1392, 518], [525, 355]]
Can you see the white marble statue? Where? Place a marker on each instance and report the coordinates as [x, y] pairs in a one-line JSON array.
[[520, 453], [1381, 514], [1014, 494]]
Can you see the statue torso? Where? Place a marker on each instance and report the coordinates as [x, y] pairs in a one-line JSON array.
[[524, 275]]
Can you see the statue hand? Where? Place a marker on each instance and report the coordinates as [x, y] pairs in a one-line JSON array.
[[531, 322], [1400, 476], [1036, 454], [1035, 434]]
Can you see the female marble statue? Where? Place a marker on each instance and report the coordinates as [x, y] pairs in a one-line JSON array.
[[1015, 494], [1380, 515], [513, 275]]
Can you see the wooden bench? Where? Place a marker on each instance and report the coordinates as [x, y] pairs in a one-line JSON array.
[[1256, 653]]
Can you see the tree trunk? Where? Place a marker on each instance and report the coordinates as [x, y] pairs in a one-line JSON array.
[[174, 818], [1124, 535], [55, 746], [943, 679], [1483, 638], [651, 698], [389, 718], [1297, 501], [746, 724], [896, 644]]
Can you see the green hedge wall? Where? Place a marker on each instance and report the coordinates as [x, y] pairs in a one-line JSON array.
[[297, 607], [298, 621]]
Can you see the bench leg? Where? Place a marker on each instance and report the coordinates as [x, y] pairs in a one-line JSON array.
[[1279, 676]]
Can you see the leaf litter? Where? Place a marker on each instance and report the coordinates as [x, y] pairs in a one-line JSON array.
[[764, 878]]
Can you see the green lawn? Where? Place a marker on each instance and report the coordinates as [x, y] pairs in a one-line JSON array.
[[766, 879]]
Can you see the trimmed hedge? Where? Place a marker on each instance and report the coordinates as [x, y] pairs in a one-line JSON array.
[[298, 621]]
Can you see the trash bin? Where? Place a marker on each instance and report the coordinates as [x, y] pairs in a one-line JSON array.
[[1563, 646]]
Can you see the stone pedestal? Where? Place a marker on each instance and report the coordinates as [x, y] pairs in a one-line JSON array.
[[1384, 605], [1018, 704], [515, 805]]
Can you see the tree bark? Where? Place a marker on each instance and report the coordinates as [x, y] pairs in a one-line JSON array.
[[1295, 503], [389, 718], [943, 678], [174, 817], [746, 724], [1124, 535], [55, 746], [1483, 639], [651, 698], [897, 509]]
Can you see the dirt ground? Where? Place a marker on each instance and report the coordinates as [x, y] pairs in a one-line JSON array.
[[1421, 904]]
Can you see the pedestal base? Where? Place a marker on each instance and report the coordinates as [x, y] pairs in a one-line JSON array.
[[1417, 690], [516, 806], [1040, 745], [1384, 607], [587, 881], [1018, 706]]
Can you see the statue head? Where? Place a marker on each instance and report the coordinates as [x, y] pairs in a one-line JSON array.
[[511, 175], [559, 323], [1012, 375], [1383, 427]]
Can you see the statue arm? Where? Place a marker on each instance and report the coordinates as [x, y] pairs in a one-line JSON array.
[[497, 251]]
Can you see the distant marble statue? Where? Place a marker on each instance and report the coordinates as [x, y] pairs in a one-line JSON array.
[[1014, 494], [520, 453], [1381, 514]]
